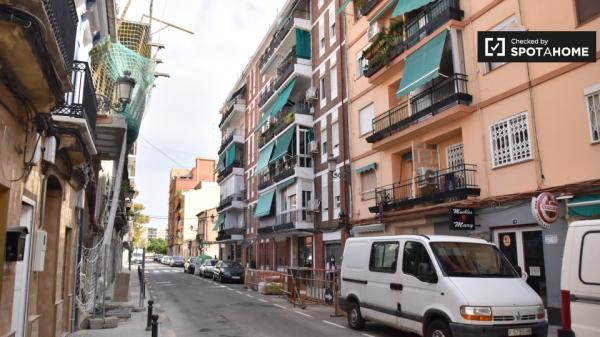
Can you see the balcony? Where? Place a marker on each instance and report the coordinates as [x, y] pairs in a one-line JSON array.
[[63, 18], [266, 94], [365, 7], [235, 200], [236, 105], [80, 108], [234, 136], [439, 97], [235, 167], [286, 168], [300, 113], [295, 219], [299, 19], [230, 234], [453, 184]]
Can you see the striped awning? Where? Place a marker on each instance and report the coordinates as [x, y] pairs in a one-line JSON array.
[[366, 168]]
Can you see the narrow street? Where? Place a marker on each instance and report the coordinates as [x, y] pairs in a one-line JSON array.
[[200, 307]]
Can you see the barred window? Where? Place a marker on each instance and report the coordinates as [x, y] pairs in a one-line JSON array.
[[593, 105], [510, 140], [455, 155]]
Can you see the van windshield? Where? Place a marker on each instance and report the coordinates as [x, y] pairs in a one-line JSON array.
[[466, 259]]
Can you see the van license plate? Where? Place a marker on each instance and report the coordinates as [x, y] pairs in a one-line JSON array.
[[237, 278], [519, 332]]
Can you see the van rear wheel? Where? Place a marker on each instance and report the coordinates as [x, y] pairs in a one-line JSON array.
[[355, 319], [438, 328]]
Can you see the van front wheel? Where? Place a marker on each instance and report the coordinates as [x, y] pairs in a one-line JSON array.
[[438, 329], [355, 319]]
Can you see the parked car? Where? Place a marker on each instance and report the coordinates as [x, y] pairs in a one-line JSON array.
[[158, 257], [137, 257], [166, 259], [190, 265], [228, 271], [176, 261], [438, 286], [580, 281], [207, 267]]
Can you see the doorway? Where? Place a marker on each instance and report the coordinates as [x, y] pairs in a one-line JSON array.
[[524, 248], [20, 299]]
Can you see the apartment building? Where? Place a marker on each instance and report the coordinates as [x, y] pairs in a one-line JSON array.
[[432, 130], [206, 236]]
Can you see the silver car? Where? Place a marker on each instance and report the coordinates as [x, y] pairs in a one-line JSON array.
[[207, 267]]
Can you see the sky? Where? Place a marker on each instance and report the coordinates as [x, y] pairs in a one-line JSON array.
[[183, 117]]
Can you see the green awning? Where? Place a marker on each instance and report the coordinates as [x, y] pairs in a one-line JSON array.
[[422, 65], [383, 10], [343, 6], [302, 44], [283, 144], [264, 205], [263, 119], [220, 220], [405, 6], [221, 161], [366, 168], [230, 155], [286, 184], [284, 96], [263, 157], [589, 211]]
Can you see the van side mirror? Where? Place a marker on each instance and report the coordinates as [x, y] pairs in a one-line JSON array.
[[519, 271], [426, 273]]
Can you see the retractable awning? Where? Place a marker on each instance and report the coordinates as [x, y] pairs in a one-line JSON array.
[[405, 6], [220, 220], [585, 206], [282, 99], [383, 10], [283, 144], [343, 6], [366, 168], [265, 202], [286, 184], [230, 155], [263, 157], [423, 65]]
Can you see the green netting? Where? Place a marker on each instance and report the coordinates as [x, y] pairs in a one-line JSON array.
[[109, 61]]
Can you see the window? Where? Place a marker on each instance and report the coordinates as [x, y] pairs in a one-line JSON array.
[[322, 91], [587, 10], [319, 3], [332, 32], [360, 64], [455, 155], [414, 254], [593, 106], [333, 81], [292, 201], [324, 199], [321, 37], [588, 265], [510, 140], [335, 139], [366, 115], [324, 150], [337, 200], [384, 257], [368, 182], [510, 24]]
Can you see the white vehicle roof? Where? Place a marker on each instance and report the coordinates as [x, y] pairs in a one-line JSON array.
[[430, 238], [585, 223]]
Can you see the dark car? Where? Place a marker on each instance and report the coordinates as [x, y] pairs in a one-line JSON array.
[[228, 271], [190, 265], [176, 261]]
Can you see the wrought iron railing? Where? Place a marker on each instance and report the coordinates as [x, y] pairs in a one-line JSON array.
[[228, 139], [228, 201], [228, 170], [283, 119], [433, 16], [434, 186], [286, 220], [62, 15], [226, 233], [285, 68], [266, 95], [367, 7], [81, 102], [438, 97], [283, 169], [279, 36]]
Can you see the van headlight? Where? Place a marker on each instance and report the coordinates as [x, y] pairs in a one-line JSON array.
[[476, 313], [541, 312]]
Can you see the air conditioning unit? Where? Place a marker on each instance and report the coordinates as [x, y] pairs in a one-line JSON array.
[[373, 30], [315, 205], [426, 176], [312, 94], [313, 146]]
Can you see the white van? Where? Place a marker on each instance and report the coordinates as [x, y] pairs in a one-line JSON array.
[[438, 286], [580, 281]]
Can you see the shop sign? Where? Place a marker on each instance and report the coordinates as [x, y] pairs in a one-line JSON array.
[[462, 218], [545, 209]]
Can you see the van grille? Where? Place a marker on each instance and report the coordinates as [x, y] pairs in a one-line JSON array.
[[505, 318]]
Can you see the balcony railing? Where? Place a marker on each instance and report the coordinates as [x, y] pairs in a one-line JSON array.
[[285, 27], [228, 139], [62, 15], [225, 234], [367, 7], [285, 68], [228, 201], [282, 121], [440, 96], [455, 183], [228, 170], [265, 95], [283, 169], [433, 16], [81, 102], [286, 220]]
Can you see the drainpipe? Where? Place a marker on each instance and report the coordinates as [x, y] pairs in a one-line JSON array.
[[75, 309]]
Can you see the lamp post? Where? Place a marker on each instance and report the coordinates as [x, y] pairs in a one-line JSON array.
[[344, 175], [125, 85]]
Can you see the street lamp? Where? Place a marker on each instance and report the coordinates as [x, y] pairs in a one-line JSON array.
[[125, 85], [332, 167]]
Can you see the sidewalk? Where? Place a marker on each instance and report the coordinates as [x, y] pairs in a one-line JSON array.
[[136, 325]]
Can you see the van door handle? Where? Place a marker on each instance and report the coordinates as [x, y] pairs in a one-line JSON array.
[[396, 286]]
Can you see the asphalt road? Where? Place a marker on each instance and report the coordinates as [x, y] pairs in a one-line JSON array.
[[193, 306]]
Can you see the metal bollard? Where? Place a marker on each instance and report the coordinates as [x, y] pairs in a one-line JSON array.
[[149, 320], [154, 325]]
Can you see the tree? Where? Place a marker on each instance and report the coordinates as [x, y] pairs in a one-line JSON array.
[[158, 246], [139, 220]]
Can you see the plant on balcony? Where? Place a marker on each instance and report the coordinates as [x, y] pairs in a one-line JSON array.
[[383, 48]]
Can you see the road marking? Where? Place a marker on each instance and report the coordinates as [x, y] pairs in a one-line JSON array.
[[366, 335], [239, 292], [301, 313], [334, 324], [164, 282], [249, 295], [280, 306], [264, 301], [230, 289]]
